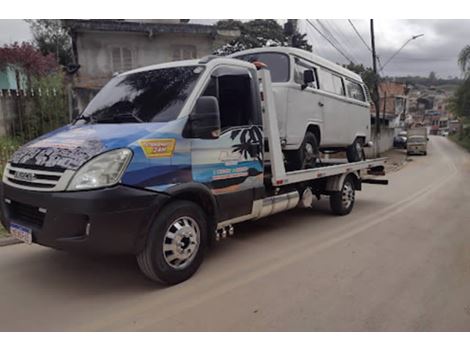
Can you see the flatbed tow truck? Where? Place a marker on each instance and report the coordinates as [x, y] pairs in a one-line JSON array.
[[169, 188]]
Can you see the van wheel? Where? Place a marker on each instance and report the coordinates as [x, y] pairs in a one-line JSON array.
[[342, 202], [176, 243], [306, 157], [355, 152]]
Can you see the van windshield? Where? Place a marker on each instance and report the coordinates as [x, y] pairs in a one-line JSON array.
[[149, 96]]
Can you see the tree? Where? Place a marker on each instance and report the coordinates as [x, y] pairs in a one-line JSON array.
[[256, 34], [460, 102], [432, 77], [52, 38], [28, 58], [464, 60]]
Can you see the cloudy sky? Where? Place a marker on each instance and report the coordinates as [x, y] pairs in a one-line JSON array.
[[436, 51]]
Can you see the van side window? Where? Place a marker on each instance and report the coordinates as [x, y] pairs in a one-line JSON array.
[[299, 69], [330, 82], [355, 90], [234, 91], [278, 64]]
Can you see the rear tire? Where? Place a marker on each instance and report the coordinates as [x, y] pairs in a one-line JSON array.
[[176, 243], [306, 156], [355, 152], [342, 202]]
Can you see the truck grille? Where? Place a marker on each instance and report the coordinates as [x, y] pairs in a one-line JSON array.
[[36, 179], [26, 213]]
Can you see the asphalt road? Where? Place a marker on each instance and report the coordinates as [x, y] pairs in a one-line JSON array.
[[399, 261]]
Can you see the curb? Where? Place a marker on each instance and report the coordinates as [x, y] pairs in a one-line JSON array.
[[9, 241]]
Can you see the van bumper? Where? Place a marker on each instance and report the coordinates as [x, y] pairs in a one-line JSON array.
[[112, 220]]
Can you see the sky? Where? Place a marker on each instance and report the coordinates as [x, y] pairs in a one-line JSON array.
[[436, 50]]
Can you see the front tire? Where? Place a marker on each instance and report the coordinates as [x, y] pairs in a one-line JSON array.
[[176, 243], [306, 156], [342, 202]]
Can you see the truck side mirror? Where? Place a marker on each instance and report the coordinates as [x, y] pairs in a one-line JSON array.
[[204, 121], [309, 77]]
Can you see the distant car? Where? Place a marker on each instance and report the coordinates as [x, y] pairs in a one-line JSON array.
[[400, 140], [444, 133]]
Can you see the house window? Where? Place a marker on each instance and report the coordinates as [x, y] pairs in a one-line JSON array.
[[121, 59], [184, 52]]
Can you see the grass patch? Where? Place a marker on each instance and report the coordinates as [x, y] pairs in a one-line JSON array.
[[464, 141], [3, 233]]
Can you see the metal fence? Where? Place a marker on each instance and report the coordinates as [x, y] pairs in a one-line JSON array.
[[27, 114]]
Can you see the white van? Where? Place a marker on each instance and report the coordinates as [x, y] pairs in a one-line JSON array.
[[320, 105]]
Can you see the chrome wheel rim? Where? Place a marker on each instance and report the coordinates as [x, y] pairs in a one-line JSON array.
[[181, 242], [347, 195]]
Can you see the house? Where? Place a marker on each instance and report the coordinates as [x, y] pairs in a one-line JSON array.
[[103, 48], [393, 109]]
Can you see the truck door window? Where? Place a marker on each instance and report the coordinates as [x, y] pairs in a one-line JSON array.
[[234, 91]]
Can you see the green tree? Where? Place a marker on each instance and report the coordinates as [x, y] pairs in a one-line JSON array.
[[460, 102], [258, 33], [432, 77], [52, 38], [464, 60]]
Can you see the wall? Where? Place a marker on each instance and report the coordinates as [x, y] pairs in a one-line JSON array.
[[94, 49], [94, 55], [385, 142]]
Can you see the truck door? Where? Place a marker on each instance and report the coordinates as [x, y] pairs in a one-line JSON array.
[[232, 165]]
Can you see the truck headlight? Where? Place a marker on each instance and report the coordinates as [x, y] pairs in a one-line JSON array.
[[101, 171]]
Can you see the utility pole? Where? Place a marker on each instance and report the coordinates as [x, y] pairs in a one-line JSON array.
[[376, 88], [290, 29]]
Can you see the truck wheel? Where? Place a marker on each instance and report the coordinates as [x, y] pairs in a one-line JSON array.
[[355, 152], [176, 243], [342, 202], [307, 155]]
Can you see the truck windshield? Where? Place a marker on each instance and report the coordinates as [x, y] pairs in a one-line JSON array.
[[149, 96]]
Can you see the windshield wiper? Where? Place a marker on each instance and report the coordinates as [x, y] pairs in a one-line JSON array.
[[117, 117]]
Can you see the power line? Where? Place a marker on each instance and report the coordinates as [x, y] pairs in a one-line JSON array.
[[329, 41], [359, 35], [332, 37], [345, 41]]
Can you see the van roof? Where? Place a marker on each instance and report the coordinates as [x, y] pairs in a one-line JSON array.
[[197, 62], [305, 55]]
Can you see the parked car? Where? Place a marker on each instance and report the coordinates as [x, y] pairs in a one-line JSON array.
[[320, 105], [399, 141]]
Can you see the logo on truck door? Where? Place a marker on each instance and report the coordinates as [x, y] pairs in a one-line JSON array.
[[158, 148]]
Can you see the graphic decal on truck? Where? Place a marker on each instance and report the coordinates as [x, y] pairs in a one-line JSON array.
[[232, 162], [60, 154], [158, 148]]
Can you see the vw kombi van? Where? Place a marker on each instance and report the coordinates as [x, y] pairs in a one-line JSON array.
[[320, 105]]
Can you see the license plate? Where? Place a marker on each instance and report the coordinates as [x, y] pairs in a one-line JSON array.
[[22, 233]]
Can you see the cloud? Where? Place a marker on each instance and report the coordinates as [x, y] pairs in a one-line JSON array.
[[436, 51]]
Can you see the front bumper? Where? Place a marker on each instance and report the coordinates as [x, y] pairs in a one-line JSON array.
[[111, 220]]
